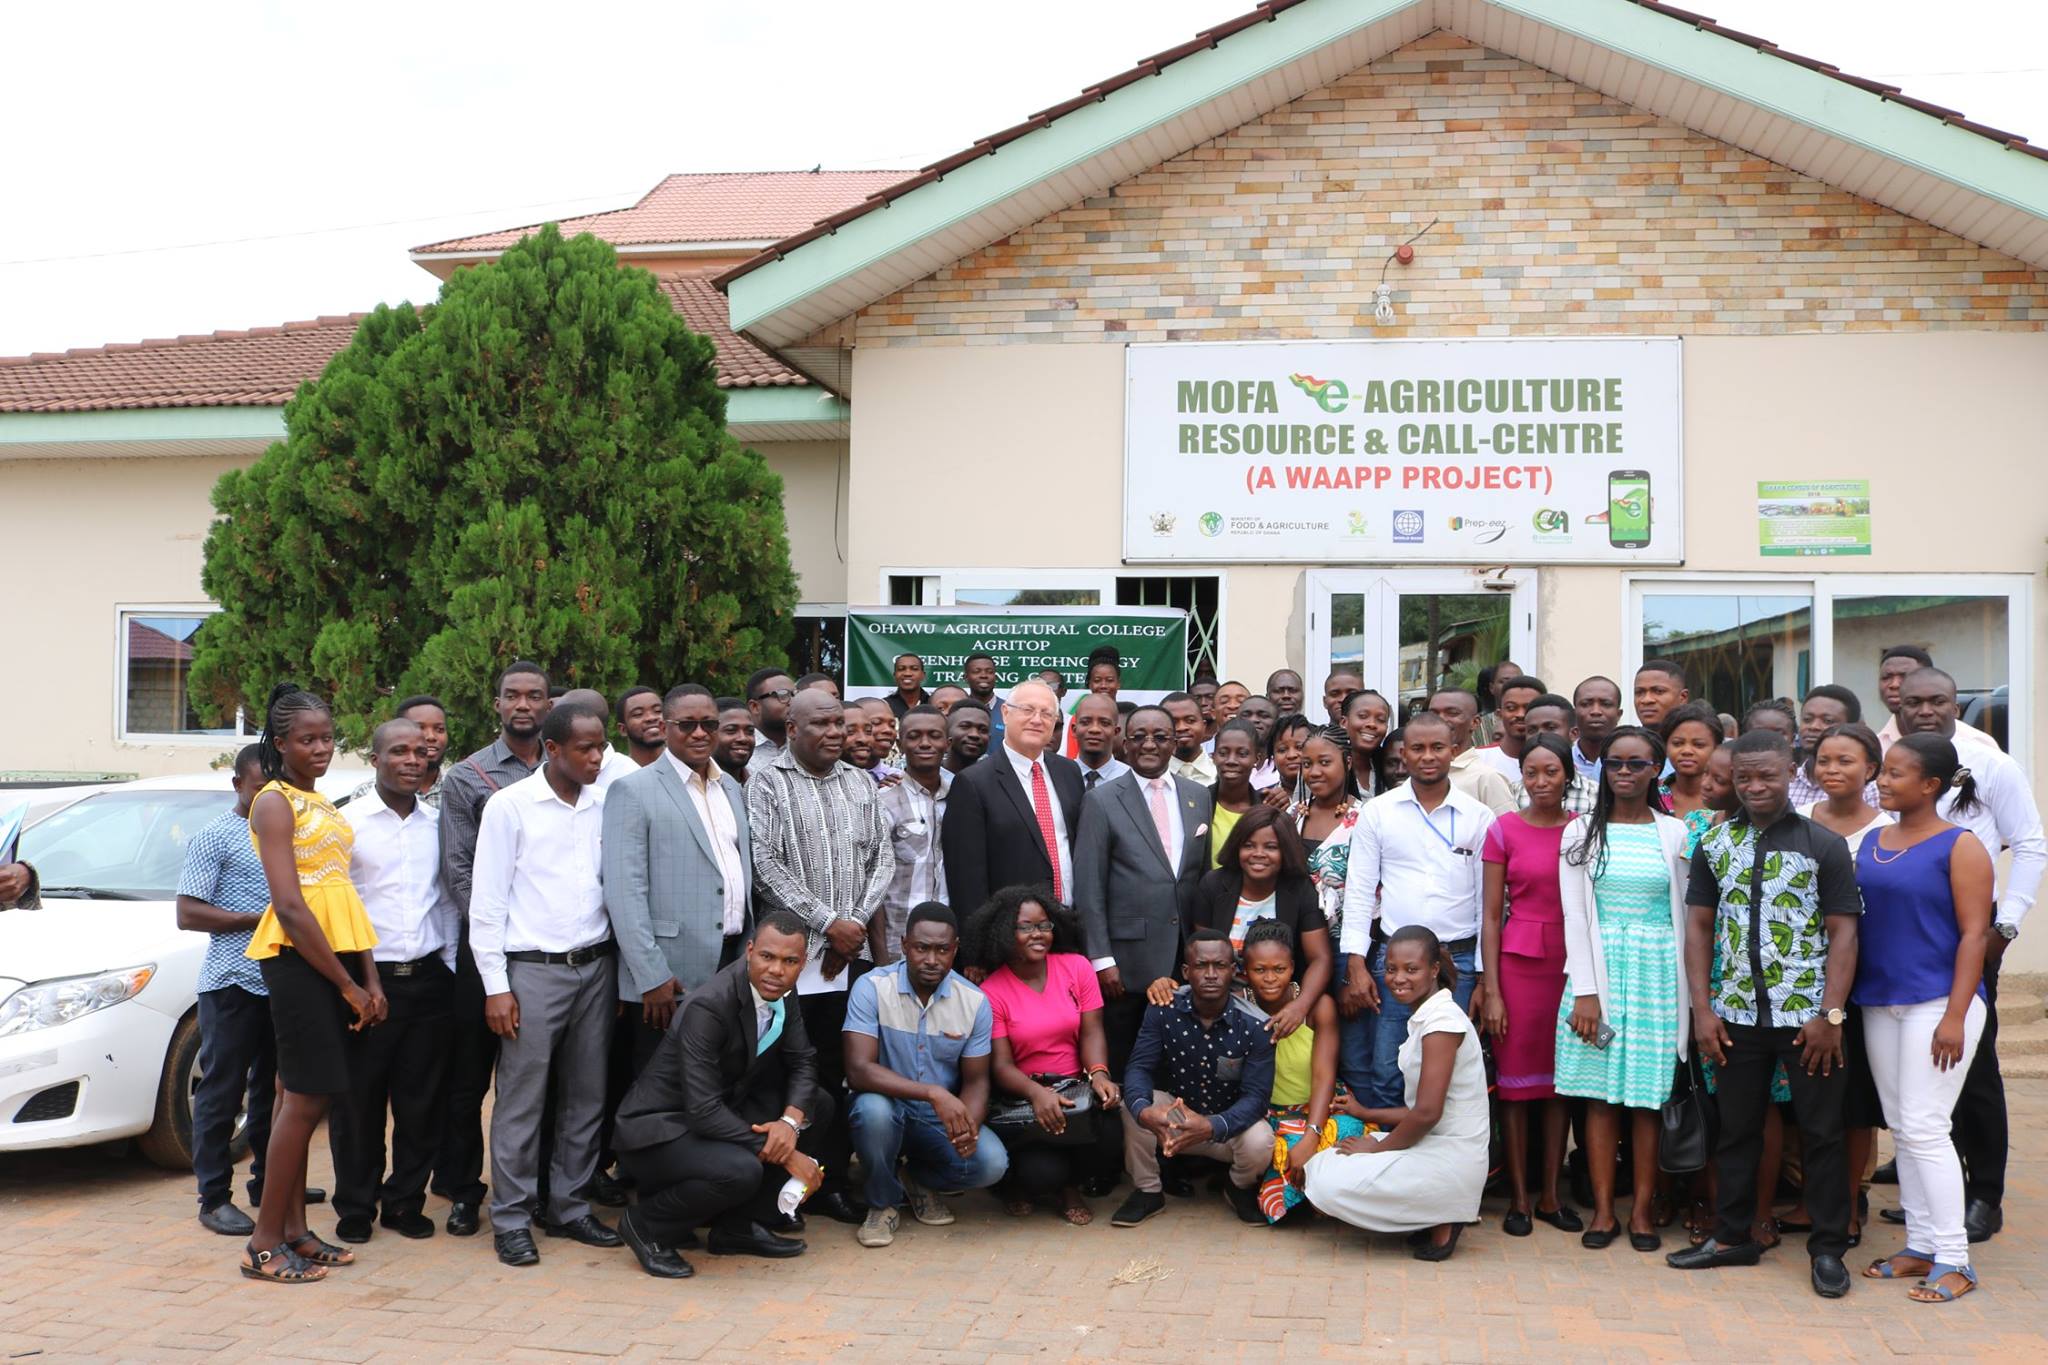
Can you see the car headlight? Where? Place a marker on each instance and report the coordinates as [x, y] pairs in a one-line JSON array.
[[46, 1004]]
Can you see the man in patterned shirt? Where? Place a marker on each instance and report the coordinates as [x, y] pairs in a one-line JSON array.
[[821, 851], [221, 892], [1774, 906]]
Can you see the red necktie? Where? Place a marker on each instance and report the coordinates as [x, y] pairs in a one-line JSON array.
[[1041, 801]]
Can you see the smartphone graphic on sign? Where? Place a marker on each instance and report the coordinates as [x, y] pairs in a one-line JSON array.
[[1628, 509]]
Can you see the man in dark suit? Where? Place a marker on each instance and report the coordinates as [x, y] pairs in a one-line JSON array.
[[721, 1113], [1012, 817], [1144, 844]]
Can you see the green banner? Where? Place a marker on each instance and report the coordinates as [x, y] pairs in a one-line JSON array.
[[1023, 641], [1816, 517]]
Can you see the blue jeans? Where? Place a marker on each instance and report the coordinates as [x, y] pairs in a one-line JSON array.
[[885, 1129], [1354, 1037], [1392, 1029]]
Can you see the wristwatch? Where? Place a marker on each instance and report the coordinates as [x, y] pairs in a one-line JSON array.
[[794, 1126], [2008, 932], [1837, 1017]]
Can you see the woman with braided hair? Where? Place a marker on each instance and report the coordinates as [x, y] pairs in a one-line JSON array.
[[314, 918], [1324, 819]]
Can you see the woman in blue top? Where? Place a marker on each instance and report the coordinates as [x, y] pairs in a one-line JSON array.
[[1927, 888]]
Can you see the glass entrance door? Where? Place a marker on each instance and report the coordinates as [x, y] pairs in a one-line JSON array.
[[1408, 632]]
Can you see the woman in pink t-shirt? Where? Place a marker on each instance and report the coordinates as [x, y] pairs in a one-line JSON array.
[[1047, 1012]]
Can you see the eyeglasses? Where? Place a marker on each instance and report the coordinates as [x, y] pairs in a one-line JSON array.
[[1632, 765], [1028, 712], [779, 694], [1037, 929], [683, 727]]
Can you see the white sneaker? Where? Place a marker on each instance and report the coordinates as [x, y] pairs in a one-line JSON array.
[[878, 1229], [925, 1206]]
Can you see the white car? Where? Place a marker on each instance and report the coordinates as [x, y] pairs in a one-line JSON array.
[[99, 1008]]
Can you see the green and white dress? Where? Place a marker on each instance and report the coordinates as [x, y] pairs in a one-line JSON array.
[[1633, 893]]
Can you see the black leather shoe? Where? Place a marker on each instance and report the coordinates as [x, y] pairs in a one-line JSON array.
[[1179, 1186], [1830, 1277], [1517, 1224], [1711, 1255], [407, 1223], [354, 1228], [462, 1219], [1099, 1186], [1887, 1174], [1141, 1205], [315, 1195], [755, 1241], [586, 1230], [1645, 1242], [227, 1220], [1598, 1239], [1564, 1218], [1244, 1200], [1983, 1220], [785, 1223], [606, 1191], [516, 1247], [1899, 1215], [839, 1206], [657, 1260]]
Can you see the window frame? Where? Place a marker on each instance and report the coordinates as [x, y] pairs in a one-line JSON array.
[[1823, 588], [122, 734]]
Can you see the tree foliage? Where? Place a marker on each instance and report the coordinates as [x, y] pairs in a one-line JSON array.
[[535, 466]]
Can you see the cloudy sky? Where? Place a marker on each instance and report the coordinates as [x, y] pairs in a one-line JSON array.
[[180, 169]]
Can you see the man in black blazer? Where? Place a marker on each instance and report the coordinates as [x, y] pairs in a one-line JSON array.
[[1000, 809], [723, 1111], [1131, 893]]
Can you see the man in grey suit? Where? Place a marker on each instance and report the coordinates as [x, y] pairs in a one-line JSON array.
[[678, 869], [1143, 845]]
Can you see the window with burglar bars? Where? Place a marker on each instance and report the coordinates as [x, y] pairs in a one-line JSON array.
[[1201, 597]]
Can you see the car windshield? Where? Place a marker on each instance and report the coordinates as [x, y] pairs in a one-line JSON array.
[[124, 843]]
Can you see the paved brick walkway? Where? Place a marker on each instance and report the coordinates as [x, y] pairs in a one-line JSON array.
[[100, 1260]]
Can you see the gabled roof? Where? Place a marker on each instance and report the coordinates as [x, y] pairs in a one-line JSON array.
[[741, 364], [741, 208], [1859, 135]]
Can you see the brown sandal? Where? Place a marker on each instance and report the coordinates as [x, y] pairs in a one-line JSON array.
[[280, 1265], [314, 1251]]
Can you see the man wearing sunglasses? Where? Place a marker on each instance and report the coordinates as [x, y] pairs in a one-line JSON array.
[[678, 864]]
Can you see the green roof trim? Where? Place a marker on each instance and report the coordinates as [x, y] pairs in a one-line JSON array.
[[783, 403], [142, 425]]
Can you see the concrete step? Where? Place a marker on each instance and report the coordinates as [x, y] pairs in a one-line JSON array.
[[2019, 1007], [2022, 1040], [2023, 983], [2023, 1068]]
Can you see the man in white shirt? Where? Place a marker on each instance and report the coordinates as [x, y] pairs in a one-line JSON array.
[[1094, 726], [2005, 817], [398, 1067], [1900, 662], [616, 765], [1414, 860], [544, 949], [1190, 759], [1472, 770]]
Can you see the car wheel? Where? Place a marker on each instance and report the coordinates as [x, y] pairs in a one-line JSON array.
[[168, 1143]]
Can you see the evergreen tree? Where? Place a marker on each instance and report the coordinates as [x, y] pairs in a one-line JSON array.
[[536, 466]]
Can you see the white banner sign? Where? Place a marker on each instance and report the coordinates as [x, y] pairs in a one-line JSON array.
[[1539, 451]]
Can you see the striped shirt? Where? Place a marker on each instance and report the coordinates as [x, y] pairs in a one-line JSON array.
[[919, 870], [821, 850], [222, 869]]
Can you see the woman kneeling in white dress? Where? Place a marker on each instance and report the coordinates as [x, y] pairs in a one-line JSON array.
[[1426, 1168]]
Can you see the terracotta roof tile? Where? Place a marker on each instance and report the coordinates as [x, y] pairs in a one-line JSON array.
[[744, 206], [264, 366]]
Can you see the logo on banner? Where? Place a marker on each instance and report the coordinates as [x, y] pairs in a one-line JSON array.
[[1329, 394], [1408, 527], [1162, 523], [1354, 524], [1212, 524], [1553, 526], [1484, 531]]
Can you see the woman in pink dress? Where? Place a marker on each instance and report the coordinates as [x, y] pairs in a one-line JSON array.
[[1522, 949]]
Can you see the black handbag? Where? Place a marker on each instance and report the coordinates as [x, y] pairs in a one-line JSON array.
[[1014, 1122], [1690, 1122]]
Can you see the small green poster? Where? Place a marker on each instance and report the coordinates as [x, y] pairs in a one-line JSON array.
[[1819, 517]]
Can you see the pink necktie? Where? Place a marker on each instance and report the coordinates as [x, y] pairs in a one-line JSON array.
[[1041, 800], [1161, 821]]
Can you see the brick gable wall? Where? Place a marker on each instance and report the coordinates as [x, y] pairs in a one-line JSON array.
[[1562, 211]]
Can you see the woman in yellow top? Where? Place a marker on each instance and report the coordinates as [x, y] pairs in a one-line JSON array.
[[315, 916], [1304, 1105]]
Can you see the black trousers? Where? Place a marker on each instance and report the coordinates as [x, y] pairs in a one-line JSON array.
[[690, 1182], [397, 1068], [1041, 1170], [472, 1057], [1981, 1129], [237, 1064], [1121, 1020], [824, 1015], [1743, 1091]]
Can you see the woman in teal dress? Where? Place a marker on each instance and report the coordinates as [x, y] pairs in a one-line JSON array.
[[1625, 1022]]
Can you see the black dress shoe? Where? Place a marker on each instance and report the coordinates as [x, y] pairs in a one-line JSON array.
[[315, 1195], [1517, 1223], [784, 1223], [755, 1241], [1983, 1220], [1597, 1239], [1099, 1186], [1711, 1255], [1887, 1174], [516, 1247], [227, 1220], [1899, 1215], [1244, 1201], [354, 1228], [603, 1189], [1564, 1218], [839, 1206], [462, 1219], [657, 1260], [1830, 1277], [586, 1230], [1646, 1241], [1179, 1186], [407, 1223]]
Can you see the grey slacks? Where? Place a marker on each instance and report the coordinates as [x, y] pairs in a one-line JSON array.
[[565, 1031]]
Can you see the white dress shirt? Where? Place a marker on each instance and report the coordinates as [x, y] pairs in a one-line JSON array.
[[1423, 865], [764, 1010], [536, 883], [1964, 733], [1201, 768], [1108, 772], [1495, 758], [616, 766], [396, 866], [1022, 767], [2005, 816], [714, 808]]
